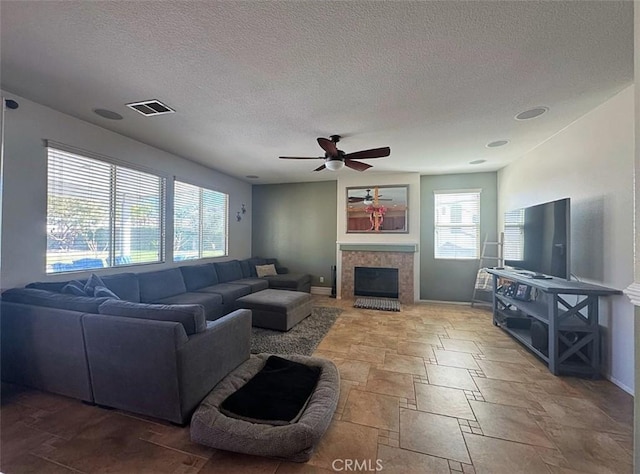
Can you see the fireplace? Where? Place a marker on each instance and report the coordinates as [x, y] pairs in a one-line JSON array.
[[375, 281], [398, 256]]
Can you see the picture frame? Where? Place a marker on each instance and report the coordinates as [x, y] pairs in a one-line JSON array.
[[381, 209], [522, 292]]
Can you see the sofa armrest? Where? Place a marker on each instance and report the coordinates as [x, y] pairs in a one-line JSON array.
[[44, 348], [152, 368], [209, 356], [133, 364]]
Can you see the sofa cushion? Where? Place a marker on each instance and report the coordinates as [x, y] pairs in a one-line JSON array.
[[212, 302], [290, 281], [161, 284], [228, 271], [32, 296], [199, 276], [244, 266], [125, 285], [256, 284], [191, 316], [252, 265], [74, 287], [229, 292]]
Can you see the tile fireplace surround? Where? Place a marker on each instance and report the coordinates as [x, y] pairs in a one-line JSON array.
[[392, 256]]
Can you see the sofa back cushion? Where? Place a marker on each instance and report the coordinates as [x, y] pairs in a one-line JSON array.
[[56, 286], [33, 296], [228, 271], [252, 265], [125, 285], [191, 316], [246, 268], [161, 284], [199, 276]]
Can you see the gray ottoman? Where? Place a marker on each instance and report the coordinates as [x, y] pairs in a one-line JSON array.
[[292, 442], [276, 309]]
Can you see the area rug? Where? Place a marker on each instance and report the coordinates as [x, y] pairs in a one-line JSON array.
[[302, 339], [382, 304]]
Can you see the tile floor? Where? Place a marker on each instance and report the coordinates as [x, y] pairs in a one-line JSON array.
[[432, 389]]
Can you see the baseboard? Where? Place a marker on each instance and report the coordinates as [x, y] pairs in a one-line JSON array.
[[321, 290], [617, 382], [457, 303]]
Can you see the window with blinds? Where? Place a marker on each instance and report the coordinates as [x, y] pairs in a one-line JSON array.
[[457, 225], [199, 221], [100, 214]]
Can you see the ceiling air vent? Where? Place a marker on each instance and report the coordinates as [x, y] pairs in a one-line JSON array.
[[149, 108]]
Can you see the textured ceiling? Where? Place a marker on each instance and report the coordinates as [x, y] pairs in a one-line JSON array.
[[435, 81]]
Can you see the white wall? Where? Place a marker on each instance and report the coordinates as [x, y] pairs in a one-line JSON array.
[[591, 161], [636, 435], [24, 199], [346, 180]]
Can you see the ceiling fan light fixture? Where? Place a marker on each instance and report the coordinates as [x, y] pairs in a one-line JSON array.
[[367, 201], [334, 165]]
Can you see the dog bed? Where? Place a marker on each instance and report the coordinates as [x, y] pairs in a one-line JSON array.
[[294, 441]]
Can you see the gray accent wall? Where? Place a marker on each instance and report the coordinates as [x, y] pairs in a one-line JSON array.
[[296, 223], [445, 279]]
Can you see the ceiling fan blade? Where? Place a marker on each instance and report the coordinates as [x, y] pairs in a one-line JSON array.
[[320, 168], [356, 165], [328, 146], [367, 154], [356, 199], [302, 157]]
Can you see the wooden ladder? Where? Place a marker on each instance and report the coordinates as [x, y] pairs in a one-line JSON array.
[[497, 261]]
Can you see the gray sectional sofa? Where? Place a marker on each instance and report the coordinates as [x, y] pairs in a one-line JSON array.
[[157, 350]]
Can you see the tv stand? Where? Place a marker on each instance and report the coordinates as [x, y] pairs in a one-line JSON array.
[[571, 328]]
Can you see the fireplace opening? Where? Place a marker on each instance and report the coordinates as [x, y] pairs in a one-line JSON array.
[[376, 281]]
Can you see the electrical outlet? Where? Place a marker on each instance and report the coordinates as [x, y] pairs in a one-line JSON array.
[[321, 279]]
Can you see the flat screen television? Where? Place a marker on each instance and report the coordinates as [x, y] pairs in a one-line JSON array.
[[536, 238]]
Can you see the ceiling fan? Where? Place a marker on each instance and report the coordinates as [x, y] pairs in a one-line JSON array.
[[335, 159], [367, 199]]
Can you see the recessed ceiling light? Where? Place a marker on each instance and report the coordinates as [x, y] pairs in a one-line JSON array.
[[252, 176], [476, 162], [108, 114], [497, 143], [532, 113]]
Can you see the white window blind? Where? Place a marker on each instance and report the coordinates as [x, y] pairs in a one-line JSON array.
[[514, 235], [200, 222], [100, 214], [457, 225]]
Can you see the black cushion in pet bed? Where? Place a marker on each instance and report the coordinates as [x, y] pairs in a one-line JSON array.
[[277, 395]]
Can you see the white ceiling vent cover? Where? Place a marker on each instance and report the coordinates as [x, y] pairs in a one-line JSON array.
[[150, 108]]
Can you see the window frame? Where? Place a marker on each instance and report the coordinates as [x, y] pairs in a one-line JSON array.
[[116, 167], [201, 214], [476, 225]]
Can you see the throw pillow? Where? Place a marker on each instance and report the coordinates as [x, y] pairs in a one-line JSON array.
[[103, 291], [74, 287], [265, 270], [90, 286]]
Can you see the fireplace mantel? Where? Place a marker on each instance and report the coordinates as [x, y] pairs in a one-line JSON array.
[[378, 247]]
